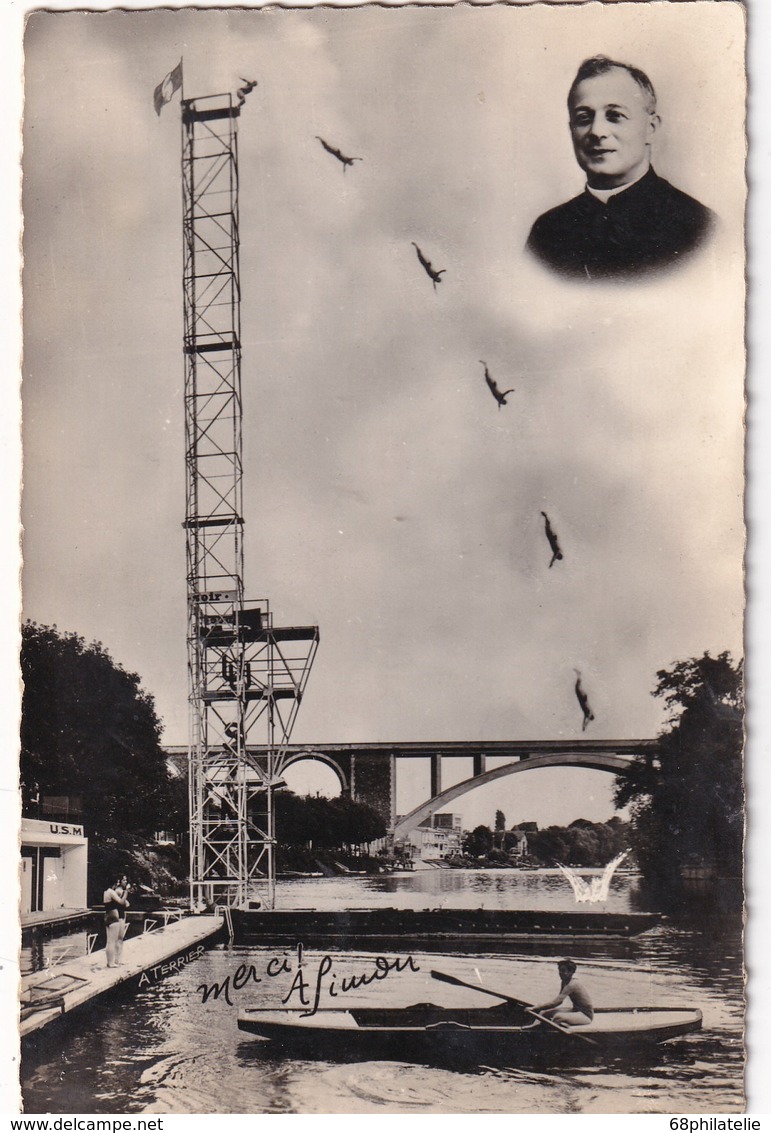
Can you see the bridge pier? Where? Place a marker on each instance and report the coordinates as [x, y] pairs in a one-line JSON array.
[[373, 781], [480, 763], [436, 774]]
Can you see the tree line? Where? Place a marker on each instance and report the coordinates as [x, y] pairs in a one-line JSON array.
[[582, 843], [315, 822]]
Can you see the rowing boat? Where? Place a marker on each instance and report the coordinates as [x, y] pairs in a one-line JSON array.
[[611, 1028]]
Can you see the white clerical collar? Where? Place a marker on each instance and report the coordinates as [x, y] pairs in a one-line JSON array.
[[605, 194]]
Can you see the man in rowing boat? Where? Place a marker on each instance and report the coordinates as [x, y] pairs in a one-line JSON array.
[[582, 1010]]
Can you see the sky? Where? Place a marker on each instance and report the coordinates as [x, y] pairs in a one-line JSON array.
[[387, 499]]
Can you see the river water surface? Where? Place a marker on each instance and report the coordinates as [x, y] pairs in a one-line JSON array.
[[165, 1050]]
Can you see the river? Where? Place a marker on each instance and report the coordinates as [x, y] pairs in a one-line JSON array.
[[165, 1050]]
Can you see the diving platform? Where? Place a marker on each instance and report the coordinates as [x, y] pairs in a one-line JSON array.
[[160, 951]]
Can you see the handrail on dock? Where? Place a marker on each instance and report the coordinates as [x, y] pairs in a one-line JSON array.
[[226, 912]]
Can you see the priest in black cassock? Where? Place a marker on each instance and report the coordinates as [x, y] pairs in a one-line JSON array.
[[628, 221]]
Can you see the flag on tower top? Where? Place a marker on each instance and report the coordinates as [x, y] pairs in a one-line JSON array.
[[164, 91]]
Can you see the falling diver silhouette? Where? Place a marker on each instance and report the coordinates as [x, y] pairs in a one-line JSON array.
[[583, 700], [553, 543], [346, 161], [242, 92], [499, 397], [434, 276]]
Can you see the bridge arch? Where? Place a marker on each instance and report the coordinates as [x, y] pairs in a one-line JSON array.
[[596, 761], [320, 757]]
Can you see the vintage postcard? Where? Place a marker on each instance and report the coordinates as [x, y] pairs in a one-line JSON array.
[[383, 531]]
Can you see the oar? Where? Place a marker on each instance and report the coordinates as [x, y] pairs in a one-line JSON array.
[[444, 978]]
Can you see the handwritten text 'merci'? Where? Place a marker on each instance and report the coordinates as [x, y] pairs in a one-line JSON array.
[[309, 980]]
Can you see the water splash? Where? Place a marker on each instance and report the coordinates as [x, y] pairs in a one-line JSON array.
[[597, 888]]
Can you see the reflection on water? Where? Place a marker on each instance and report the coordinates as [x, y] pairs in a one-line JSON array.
[[166, 1051], [451, 889]]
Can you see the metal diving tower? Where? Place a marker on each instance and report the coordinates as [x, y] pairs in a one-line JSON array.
[[246, 676]]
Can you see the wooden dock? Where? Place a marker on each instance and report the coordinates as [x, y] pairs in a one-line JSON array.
[[159, 952], [53, 920]]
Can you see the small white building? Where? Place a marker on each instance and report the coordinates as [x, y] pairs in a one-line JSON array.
[[54, 866], [439, 836]]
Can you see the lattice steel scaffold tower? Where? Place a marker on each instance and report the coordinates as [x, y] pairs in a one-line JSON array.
[[246, 676]]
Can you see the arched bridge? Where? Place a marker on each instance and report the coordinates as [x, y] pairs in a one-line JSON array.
[[368, 771]]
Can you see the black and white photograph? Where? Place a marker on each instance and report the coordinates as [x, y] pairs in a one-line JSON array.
[[383, 534]]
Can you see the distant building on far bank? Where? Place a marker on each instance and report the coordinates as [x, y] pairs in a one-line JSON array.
[[516, 843], [439, 836], [515, 840]]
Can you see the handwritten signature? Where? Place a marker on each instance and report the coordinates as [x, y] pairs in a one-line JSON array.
[[309, 980], [172, 966]]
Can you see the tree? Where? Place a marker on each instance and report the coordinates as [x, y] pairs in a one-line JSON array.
[[584, 846], [687, 796], [326, 823], [551, 844], [88, 729], [354, 824], [479, 842], [583, 843]]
